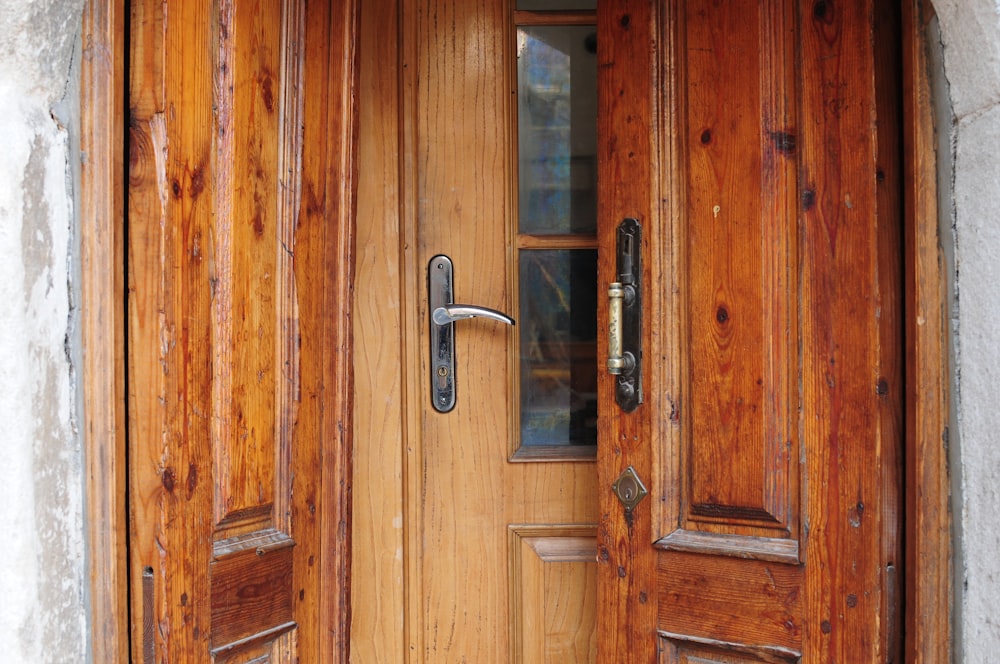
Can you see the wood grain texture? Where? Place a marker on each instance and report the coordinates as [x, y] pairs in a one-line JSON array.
[[628, 150], [456, 163], [774, 413], [377, 518], [241, 207], [324, 278], [929, 564], [553, 594], [739, 161], [102, 312], [849, 370]]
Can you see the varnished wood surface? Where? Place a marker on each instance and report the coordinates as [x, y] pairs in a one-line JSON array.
[[444, 527], [928, 581], [102, 253], [380, 375], [628, 134], [241, 203], [468, 491], [774, 347], [928, 567]]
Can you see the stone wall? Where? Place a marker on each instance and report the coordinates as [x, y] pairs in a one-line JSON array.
[[42, 589], [970, 34]]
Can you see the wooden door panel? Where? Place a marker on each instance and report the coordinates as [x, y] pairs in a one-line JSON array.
[[770, 434], [233, 229], [737, 152], [553, 594], [729, 599]]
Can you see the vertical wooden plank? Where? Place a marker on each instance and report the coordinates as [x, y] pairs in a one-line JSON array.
[[325, 283], [462, 194], [627, 152], [844, 360], [928, 565], [102, 322], [377, 517], [170, 239]]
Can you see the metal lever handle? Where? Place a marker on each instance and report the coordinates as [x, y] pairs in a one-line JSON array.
[[444, 313], [450, 313]]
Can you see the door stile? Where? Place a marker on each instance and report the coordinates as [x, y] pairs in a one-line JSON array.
[[333, 39], [381, 376], [626, 126], [851, 398]]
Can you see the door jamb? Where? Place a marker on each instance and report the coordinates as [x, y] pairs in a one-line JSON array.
[[929, 595], [101, 226]]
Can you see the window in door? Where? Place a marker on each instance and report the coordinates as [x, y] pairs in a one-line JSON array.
[[556, 241]]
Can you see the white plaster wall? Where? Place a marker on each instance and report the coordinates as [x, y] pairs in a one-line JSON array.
[[42, 591], [970, 33]]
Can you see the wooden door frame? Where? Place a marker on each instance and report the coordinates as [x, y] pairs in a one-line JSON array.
[[102, 237], [101, 224]]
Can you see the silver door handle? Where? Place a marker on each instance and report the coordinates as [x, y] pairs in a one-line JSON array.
[[450, 313], [444, 313]]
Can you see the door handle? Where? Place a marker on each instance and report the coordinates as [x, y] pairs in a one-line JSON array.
[[444, 313], [450, 313], [625, 318]]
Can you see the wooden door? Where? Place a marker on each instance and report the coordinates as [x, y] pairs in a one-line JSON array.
[[239, 204], [468, 547], [765, 169]]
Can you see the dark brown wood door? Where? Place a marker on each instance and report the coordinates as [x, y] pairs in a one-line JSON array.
[[764, 168], [238, 265]]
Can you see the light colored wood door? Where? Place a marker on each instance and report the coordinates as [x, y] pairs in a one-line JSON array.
[[461, 553], [765, 166], [240, 172]]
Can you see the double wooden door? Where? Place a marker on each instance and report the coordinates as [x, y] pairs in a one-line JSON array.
[[754, 141]]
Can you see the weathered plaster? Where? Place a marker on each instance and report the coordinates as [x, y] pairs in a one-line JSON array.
[[970, 32], [42, 611]]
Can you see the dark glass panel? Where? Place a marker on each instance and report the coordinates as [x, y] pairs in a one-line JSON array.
[[558, 330]]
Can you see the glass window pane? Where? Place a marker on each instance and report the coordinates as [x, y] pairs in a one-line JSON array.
[[560, 5], [558, 330], [557, 129]]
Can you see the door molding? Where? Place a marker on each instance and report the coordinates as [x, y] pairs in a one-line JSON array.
[[929, 593], [101, 226], [101, 232]]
